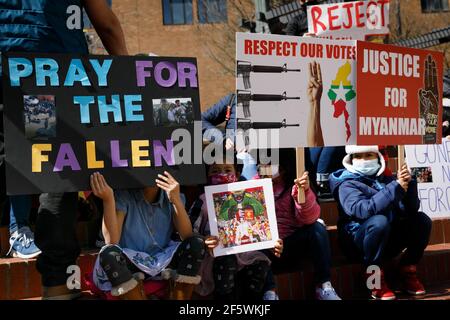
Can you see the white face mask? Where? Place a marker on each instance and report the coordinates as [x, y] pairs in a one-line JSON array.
[[366, 167]]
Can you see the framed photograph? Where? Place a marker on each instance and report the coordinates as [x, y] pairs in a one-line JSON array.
[[242, 216]]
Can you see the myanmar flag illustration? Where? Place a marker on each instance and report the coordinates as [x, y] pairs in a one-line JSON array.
[[340, 93]]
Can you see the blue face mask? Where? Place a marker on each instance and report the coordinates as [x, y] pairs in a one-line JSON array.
[[366, 167]]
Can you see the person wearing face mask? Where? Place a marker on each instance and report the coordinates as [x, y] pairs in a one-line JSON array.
[[303, 233], [379, 217], [241, 276]]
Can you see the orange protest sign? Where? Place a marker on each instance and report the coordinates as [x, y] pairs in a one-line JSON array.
[[399, 95]]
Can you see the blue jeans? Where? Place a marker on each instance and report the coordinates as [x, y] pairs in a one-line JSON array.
[[377, 239], [19, 212], [321, 160], [310, 241]]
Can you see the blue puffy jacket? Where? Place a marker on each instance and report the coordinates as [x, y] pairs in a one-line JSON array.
[[40, 26], [359, 197]]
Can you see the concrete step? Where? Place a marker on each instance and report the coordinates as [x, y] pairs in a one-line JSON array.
[[19, 278]]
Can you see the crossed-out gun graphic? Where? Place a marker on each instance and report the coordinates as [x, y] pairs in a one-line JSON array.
[[244, 97], [244, 68]]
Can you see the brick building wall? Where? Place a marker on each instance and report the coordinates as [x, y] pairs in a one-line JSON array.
[[415, 22]]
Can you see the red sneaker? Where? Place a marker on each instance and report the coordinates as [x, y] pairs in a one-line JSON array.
[[411, 283], [382, 293]]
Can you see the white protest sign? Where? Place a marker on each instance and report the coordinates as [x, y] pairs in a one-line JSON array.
[[295, 91], [430, 164], [242, 215], [351, 20]]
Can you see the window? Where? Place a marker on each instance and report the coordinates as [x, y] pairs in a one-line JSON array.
[[434, 5], [212, 11], [177, 11], [86, 22]]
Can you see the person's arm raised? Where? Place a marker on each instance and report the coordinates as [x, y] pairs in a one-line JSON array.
[[180, 219], [107, 26], [112, 221]]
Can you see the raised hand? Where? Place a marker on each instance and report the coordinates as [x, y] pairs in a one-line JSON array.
[[303, 181], [315, 87], [100, 188], [428, 99], [168, 183]]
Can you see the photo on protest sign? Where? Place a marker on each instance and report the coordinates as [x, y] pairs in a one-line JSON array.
[[173, 112], [422, 174], [399, 95], [430, 164], [242, 216], [355, 20], [67, 116], [39, 114], [294, 91]]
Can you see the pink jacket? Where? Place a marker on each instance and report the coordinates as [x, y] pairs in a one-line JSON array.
[[290, 214]]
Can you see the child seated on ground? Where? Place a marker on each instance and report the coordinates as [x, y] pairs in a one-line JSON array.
[[303, 233], [240, 276], [137, 227], [379, 217]]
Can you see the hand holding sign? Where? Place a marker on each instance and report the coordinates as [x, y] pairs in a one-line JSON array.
[[302, 183], [404, 177], [428, 99], [315, 83]]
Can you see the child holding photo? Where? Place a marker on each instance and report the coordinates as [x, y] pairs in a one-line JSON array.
[[241, 276], [137, 227]]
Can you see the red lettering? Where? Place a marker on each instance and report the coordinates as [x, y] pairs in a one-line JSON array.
[[359, 15], [286, 46], [294, 48], [263, 45], [319, 50], [331, 18], [316, 13], [272, 45], [374, 12], [348, 6], [278, 52], [248, 47]]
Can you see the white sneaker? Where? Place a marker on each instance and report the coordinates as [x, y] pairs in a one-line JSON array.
[[326, 292], [270, 295]]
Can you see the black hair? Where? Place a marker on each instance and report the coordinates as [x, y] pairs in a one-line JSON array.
[[226, 159]]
